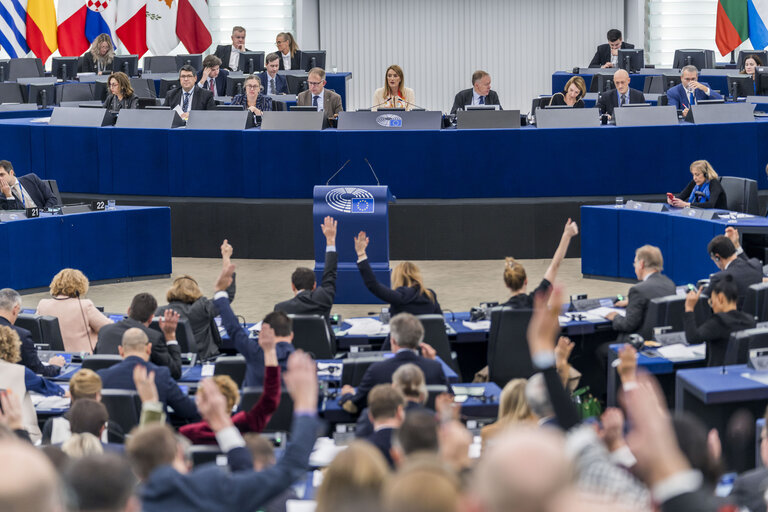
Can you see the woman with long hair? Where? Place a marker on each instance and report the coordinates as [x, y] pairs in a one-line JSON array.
[[288, 50], [394, 94], [98, 59]]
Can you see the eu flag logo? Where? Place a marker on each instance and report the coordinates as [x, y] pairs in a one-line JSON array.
[[362, 205]]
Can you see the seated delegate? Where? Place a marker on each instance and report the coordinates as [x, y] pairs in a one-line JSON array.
[[188, 96], [573, 93], [750, 67], [394, 94], [98, 59], [318, 96], [607, 55], [479, 94], [120, 93], [690, 90], [622, 94], [288, 50], [704, 190], [27, 191], [251, 100]]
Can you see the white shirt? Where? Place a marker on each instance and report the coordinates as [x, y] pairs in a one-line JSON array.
[[319, 99], [181, 99], [234, 58], [476, 97], [286, 60]]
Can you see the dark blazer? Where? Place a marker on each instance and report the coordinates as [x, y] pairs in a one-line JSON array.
[[281, 83], [201, 99], [224, 52], [29, 352], [405, 298], [558, 99], [295, 60], [220, 81], [678, 96], [657, 285], [38, 191], [120, 376], [111, 337], [86, 64], [603, 54], [381, 373], [382, 439], [749, 488], [609, 100], [464, 98], [716, 331], [745, 272], [717, 197], [331, 101], [112, 103], [364, 427], [318, 301]]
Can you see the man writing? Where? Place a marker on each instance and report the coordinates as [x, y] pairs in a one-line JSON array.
[[479, 94], [317, 96], [230, 54], [607, 55], [189, 97], [28, 191], [273, 83]]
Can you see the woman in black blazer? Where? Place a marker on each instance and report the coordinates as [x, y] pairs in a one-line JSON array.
[[120, 93], [286, 45], [98, 59], [408, 293], [704, 190], [750, 66], [573, 93]]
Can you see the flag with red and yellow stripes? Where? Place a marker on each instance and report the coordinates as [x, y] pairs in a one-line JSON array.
[[41, 28]]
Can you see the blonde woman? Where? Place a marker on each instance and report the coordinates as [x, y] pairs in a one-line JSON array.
[[288, 50], [79, 320], [394, 94], [704, 190], [513, 408], [353, 480], [573, 92], [98, 59]]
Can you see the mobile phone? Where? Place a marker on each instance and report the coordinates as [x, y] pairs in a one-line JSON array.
[[670, 195]]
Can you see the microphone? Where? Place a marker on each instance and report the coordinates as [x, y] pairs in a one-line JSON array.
[[337, 172], [409, 103], [378, 104], [699, 196], [43, 99], [372, 171]]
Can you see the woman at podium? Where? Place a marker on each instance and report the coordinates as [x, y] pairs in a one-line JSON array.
[[572, 95], [704, 190], [99, 58], [251, 99], [394, 94], [120, 93], [408, 293]]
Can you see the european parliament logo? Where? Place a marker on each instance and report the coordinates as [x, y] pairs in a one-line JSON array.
[[390, 121], [350, 200]]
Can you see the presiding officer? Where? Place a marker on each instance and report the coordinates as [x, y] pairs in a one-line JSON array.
[[479, 94], [394, 94], [704, 190]]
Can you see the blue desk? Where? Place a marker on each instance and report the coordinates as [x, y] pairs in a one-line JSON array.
[[718, 82], [101, 244], [610, 236]]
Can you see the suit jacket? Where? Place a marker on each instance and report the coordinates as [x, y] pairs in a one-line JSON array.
[[404, 299], [120, 376], [38, 191], [201, 99], [678, 96], [112, 103], [111, 336], [464, 98], [749, 488], [295, 60], [609, 100], [657, 285], [281, 83], [382, 439], [603, 54], [717, 197], [29, 352], [86, 64], [220, 81], [318, 301], [716, 332], [331, 101], [224, 52], [745, 272]]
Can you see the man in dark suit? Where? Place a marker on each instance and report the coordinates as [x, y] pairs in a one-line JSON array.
[[621, 95], [10, 307], [165, 348], [272, 82], [317, 95], [28, 191], [479, 94], [212, 77], [648, 266], [607, 54], [230, 53], [406, 334], [188, 96], [386, 409], [745, 272], [135, 350], [690, 90]]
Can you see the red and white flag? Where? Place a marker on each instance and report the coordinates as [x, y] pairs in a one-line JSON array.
[[70, 17], [132, 25], [192, 24]]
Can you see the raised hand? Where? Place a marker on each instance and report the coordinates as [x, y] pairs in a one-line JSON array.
[[691, 299], [329, 230], [168, 323], [733, 235], [361, 244], [212, 405], [226, 252], [10, 413], [301, 382], [145, 384], [571, 229], [627, 368], [225, 278]]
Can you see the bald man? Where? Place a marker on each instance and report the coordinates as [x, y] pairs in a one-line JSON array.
[[621, 95], [28, 481]]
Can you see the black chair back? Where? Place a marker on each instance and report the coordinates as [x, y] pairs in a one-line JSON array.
[[508, 354], [433, 390], [282, 417], [201, 454], [143, 87], [740, 194], [655, 316], [540, 102], [760, 291], [11, 93], [74, 92], [437, 338], [672, 308], [234, 366], [49, 325], [312, 335], [742, 342], [123, 406], [166, 85], [184, 334], [353, 369], [31, 322], [24, 68], [100, 361], [100, 90], [161, 64]]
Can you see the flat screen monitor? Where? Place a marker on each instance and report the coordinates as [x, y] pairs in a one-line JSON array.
[[739, 85], [303, 108], [601, 82], [64, 68], [481, 107], [234, 108], [391, 109], [761, 54], [669, 81], [761, 77], [235, 85], [128, 64], [632, 60], [296, 83], [194, 60], [696, 58], [312, 59], [251, 62]]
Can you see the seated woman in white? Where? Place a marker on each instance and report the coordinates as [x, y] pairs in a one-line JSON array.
[[394, 94]]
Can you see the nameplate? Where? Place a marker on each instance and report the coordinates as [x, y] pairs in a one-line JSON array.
[[646, 207], [99, 205], [722, 113], [219, 120], [63, 116], [567, 118], [294, 121], [391, 121], [487, 119], [148, 118], [646, 116]]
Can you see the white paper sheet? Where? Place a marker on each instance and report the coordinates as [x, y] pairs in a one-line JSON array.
[[602, 311], [477, 326], [366, 327], [681, 352]]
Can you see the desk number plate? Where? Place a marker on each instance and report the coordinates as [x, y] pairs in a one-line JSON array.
[[33, 212], [98, 205]]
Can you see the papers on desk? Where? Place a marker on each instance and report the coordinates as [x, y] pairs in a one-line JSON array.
[[480, 325], [300, 505], [735, 215], [324, 452], [680, 352], [329, 369], [255, 327], [47, 403], [603, 311], [366, 327], [760, 377], [40, 120]]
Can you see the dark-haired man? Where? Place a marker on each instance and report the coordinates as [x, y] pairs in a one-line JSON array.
[[479, 94], [28, 191], [607, 55], [745, 272], [189, 97], [212, 77], [272, 82]]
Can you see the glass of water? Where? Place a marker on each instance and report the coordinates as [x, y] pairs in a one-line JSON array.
[[619, 202], [111, 204]]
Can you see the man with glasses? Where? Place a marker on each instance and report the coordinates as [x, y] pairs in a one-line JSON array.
[[189, 97], [607, 55], [318, 96], [745, 272]]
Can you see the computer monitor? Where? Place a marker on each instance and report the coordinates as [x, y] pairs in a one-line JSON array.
[[601, 82], [235, 108], [761, 77], [128, 64], [740, 83], [195, 60], [669, 81], [251, 62], [696, 58], [64, 68], [296, 83], [303, 108], [312, 59], [632, 60], [761, 54]]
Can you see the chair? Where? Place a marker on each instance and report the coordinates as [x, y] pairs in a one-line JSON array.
[[508, 354], [184, 334], [282, 417], [353, 369], [761, 300], [540, 102], [74, 92], [201, 454], [312, 335], [742, 342], [24, 68], [741, 194], [161, 64], [55, 191], [100, 89], [232, 85], [436, 337], [654, 84], [167, 84], [31, 322], [433, 390], [234, 366], [673, 307], [100, 362], [11, 93], [49, 325], [123, 407], [655, 316], [42, 94], [143, 87]]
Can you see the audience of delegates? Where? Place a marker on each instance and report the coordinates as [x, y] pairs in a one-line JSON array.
[[28, 191], [188, 96], [394, 94], [703, 191], [79, 320], [572, 95], [229, 54], [622, 94], [263, 454], [212, 77], [607, 54], [120, 93], [690, 90], [479, 94], [318, 96], [750, 68], [251, 99], [98, 59], [288, 50], [274, 83]]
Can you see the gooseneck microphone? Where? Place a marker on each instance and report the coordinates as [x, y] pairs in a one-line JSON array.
[[337, 172], [372, 171], [378, 104]]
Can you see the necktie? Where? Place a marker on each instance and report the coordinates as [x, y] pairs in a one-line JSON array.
[[212, 86], [690, 99], [482, 100], [314, 100], [623, 100], [185, 104], [271, 86], [17, 193]]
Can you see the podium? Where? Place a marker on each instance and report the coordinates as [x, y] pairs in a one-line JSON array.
[[356, 208]]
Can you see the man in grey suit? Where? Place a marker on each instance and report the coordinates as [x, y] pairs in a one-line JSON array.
[[318, 96], [479, 94]]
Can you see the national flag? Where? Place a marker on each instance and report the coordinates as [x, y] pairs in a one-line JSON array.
[[71, 30], [132, 25], [192, 25], [758, 19], [100, 18], [41, 28], [161, 26], [13, 27], [732, 27]]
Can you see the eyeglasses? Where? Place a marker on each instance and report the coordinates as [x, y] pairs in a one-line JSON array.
[[252, 86], [315, 83], [186, 77]]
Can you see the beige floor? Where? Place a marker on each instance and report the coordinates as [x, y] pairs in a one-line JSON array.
[[262, 283]]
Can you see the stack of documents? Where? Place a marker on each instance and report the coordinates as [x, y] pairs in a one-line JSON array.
[[366, 327], [681, 352]]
